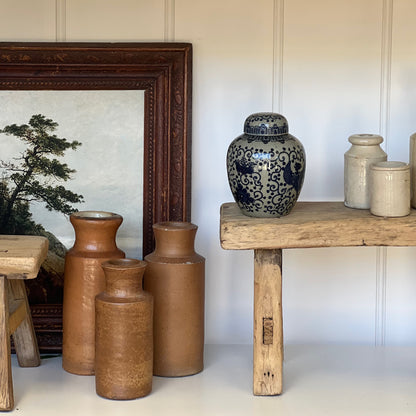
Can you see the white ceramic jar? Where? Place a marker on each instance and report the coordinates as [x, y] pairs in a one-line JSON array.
[[390, 189], [365, 150], [412, 158]]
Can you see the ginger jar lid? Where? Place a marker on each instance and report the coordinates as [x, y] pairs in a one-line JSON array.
[[266, 124]]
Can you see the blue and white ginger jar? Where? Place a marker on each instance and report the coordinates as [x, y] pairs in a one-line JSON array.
[[266, 167]]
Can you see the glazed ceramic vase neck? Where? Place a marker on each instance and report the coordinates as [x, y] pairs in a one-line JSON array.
[[124, 277], [95, 230], [174, 239]]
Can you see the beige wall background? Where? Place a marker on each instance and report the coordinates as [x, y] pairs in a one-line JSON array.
[[333, 68]]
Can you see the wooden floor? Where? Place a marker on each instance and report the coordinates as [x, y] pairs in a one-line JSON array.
[[318, 380]]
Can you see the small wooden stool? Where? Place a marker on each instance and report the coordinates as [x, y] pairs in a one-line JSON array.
[[310, 224], [20, 259]]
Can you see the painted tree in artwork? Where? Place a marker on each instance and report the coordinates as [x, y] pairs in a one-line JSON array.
[[33, 176]]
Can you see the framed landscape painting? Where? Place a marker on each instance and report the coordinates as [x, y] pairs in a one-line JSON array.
[[110, 126]]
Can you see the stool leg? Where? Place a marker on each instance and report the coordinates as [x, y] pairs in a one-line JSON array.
[[268, 323], [24, 337], [6, 381]]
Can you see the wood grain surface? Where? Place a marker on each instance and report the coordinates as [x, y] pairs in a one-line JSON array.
[[315, 224], [20, 258], [268, 323], [24, 336], [6, 382], [22, 255]]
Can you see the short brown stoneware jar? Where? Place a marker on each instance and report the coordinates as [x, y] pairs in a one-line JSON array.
[[124, 333], [175, 276], [95, 242]]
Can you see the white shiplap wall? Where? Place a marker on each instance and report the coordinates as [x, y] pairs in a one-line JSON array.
[[333, 68]]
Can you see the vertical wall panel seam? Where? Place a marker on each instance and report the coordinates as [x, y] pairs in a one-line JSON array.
[[384, 127], [278, 48], [381, 280], [60, 20], [169, 34], [385, 76]]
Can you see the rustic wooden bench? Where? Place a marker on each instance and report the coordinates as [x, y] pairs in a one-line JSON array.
[[310, 224], [20, 259]]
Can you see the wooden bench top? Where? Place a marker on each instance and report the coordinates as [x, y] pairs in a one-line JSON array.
[[314, 224], [22, 255]]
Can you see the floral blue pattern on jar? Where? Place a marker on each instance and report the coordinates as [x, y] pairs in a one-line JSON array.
[[266, 166]]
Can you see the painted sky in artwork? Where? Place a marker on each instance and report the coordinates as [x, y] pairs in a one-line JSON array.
[[109, 164]]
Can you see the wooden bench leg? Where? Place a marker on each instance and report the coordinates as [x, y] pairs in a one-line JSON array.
[[268, 323], [6, 381], [24, 337]]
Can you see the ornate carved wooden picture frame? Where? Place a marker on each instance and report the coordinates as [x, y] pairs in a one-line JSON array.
[[164, 72]]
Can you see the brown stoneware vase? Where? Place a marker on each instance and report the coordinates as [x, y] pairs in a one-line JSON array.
[[175, 276], [124, 332], [95, 242]]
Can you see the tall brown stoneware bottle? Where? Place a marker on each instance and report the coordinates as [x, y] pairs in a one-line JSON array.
[[124, 332], [175, 276], [95, 242]]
